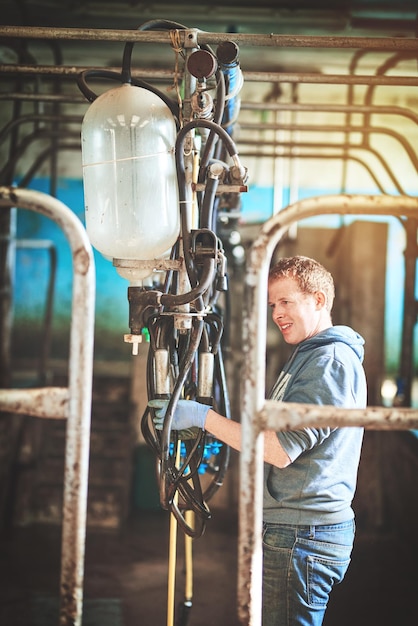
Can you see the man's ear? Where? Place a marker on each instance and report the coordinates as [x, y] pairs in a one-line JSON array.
[[320, 299]]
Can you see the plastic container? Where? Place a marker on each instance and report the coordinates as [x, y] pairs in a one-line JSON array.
[[130, 184]]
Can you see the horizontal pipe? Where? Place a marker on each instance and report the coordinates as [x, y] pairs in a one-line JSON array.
[[267, 77], [202, 37], [292, 416], [329, 79], [72, 70], [45, 402], [330, 108]]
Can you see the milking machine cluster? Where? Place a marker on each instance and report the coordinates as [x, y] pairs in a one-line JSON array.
[[158, 173]]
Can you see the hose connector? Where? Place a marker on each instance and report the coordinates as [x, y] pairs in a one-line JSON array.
[[143, 303]]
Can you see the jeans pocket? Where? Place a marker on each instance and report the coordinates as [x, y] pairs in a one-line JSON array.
[[322, 575]]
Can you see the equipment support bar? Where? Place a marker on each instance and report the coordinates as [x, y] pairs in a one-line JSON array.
[[203, 37]]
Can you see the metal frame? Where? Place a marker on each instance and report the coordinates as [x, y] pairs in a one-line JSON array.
[[73, 402], [258, 415], [198, 37]]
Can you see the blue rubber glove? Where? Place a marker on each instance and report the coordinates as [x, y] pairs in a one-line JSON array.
[[188, 414]]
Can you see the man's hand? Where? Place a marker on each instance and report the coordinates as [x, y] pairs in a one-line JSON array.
[[188, 414]]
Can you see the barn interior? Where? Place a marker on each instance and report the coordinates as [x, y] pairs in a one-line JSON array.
[[320, 101]]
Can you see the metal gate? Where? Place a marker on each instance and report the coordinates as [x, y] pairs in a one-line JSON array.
[[258, 414], [72, 403]]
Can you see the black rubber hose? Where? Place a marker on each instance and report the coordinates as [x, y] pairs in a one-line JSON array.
[[151, 25], [181, 179], [206, 213], [91, 96], [187, 360]]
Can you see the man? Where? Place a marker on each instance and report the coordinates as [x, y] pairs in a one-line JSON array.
[[310, 474]]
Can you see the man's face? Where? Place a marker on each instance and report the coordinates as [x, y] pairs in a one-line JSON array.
[[298, 315]]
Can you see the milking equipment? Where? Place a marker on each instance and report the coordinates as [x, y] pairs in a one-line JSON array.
[[157, 172], [131, 197]]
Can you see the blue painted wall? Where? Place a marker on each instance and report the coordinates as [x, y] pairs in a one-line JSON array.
[[32, 273]]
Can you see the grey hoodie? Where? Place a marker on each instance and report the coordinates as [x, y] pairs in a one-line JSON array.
[[319, 485]]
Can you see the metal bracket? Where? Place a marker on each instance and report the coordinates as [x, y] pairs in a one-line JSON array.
[[190, 38]]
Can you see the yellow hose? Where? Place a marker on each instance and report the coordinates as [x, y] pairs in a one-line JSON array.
[[172, 550], [188, 556]]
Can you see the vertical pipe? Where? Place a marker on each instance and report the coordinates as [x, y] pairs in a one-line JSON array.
[[409, 313], [8, 247], [78, 433], [251, 485], [7, 270]]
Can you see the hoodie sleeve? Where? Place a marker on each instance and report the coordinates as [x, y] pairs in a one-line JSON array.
[[322, 379]]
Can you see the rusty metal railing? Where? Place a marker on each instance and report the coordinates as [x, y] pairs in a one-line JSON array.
[[72, 403], [258, 414]]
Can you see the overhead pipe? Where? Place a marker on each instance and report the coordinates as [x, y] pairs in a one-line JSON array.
[[327, 128], [288, 154], [8, 170], [249, 76], [345, 155], [159, 37], [332, 108], [385, 67]]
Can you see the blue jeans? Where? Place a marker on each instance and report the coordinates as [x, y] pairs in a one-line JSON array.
[[300, 566]]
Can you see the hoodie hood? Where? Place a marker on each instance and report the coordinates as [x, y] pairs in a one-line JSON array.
[[344, 334]]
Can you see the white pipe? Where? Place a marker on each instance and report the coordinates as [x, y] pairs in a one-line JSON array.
[[48, 402]]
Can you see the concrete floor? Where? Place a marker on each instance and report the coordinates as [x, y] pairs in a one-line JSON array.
[[126, 577]]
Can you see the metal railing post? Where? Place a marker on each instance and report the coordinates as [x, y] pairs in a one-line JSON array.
[[255, 415], [73, 403]]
